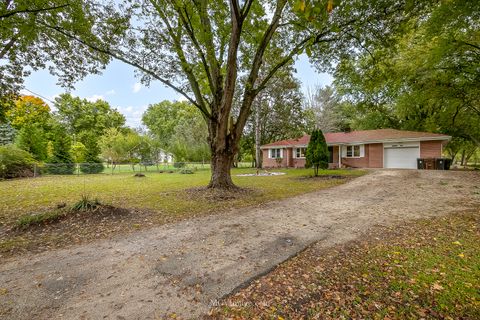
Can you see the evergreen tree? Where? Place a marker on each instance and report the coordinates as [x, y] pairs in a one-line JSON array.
[[92, 162], [31, 138], [61, 161], [7, 134], [317, 152]]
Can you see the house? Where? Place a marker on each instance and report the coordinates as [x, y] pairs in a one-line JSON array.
[[383, 148]]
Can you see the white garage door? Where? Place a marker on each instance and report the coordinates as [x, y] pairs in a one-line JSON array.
[[404, 157]]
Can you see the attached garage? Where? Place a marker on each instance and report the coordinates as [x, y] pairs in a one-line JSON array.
[[401, 155]]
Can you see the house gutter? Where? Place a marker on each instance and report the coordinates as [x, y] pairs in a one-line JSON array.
[[441, 138]]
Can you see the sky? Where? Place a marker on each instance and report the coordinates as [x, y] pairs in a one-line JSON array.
[[118, 86]]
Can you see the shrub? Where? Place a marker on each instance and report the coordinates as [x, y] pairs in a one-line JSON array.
[[60, 168], [186, 171], [36, 219], [15, 162], [32, 138], [279, 161], [92, 167], [179, 164], [61, 161], [92, 163], [86, 204]]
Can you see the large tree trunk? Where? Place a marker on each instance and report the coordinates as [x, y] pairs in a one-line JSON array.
[[223, 148], [221, 177]]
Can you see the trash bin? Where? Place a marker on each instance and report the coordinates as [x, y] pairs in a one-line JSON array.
[[440, 163], [429, 164], [448, 163], [420, 163]]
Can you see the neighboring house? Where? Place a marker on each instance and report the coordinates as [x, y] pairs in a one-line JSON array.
[[383, 148], [164, 156]]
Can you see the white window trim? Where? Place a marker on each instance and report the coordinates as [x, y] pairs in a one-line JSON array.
[[270, 153], [362, 151], [295, 152]]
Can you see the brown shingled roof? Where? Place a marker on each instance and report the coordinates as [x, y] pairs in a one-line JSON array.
[[363, 136]]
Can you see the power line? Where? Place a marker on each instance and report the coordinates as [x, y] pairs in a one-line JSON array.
[[38, 95]]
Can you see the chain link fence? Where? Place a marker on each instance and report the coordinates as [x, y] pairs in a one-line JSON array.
[[124, 168]]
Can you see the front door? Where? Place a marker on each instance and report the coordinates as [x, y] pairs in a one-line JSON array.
[[330, 154]]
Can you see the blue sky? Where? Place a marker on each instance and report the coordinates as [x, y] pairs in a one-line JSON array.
[[122, 90]]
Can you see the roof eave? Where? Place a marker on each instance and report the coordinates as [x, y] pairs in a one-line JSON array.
[[439, 138]]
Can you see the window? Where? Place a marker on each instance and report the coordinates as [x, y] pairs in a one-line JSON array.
[[300, 152], [349, 151], [275, 153], [354, 151]]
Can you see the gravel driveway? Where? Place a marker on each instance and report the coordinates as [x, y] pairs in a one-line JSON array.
[[181, 268]]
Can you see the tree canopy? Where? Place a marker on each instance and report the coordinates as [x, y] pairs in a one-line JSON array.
[[30, 39], [179, 128], [426, 80]]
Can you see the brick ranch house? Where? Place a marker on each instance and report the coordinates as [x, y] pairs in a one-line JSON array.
[[384, 148]]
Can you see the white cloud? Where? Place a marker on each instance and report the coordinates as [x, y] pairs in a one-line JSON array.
[[137, 87], [110, 92], [95, 97]]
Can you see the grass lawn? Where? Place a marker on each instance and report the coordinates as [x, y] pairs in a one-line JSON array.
[[154, 199], [426, 269]]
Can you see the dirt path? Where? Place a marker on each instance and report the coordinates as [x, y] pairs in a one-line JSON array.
[[181, 268]]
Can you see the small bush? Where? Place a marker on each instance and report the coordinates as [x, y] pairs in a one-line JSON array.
[[179, 165], [91, 168], [186, 171], [15, 162], [36, 219], [59, 168], [86, 204], [60, 161]]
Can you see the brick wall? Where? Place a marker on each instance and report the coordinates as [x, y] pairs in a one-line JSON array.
[[272, 163], [298, 163], [357, 162], [430, 149], [375, 155]]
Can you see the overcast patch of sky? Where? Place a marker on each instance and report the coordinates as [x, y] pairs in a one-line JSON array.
[[118, 86]]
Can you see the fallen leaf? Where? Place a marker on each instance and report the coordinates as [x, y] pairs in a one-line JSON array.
[[437, 287]]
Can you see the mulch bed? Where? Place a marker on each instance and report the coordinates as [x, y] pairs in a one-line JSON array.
[[73, 227], [220, 195]]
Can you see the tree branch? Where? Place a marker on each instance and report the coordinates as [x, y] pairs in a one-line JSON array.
[[249, 93], [246, 8], [186, 66], [8, 46], [236, 11], [14, 12], [131, 63], [191, 33]]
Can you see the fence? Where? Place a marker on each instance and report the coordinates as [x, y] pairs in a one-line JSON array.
[[124, 168]]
